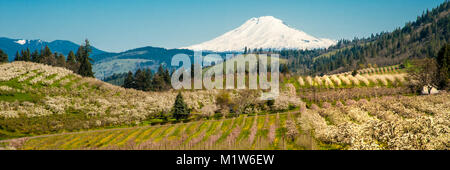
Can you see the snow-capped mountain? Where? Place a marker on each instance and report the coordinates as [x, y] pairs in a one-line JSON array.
[[11, 46], [263, 32]]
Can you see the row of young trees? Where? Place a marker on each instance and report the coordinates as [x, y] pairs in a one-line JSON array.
[[145, 80], [78, 62]]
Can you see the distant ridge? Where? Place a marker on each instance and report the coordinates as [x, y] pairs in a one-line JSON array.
[[11, 46]]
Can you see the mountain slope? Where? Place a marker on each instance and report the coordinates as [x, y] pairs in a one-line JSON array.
[[421, 38], [263, 32], [146, 57], [11, 46]]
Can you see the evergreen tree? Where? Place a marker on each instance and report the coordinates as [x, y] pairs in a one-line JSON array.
[[85, 62], [160, 70], [149, 77], [71, 63], [79, 54], [17, 57], [161, 80], [22, 55], [180, 109], [158, 83], [129, 81], [71, 57], [47, 52], [35, 56], [443, 61], [3, 57], [47, 57], [60, 60], [166, 76], [141, 80], [26, 56]]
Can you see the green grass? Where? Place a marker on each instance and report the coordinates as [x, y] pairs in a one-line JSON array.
[[245, 132], [21, 97]]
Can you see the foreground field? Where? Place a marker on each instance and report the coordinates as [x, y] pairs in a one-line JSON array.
[[400, 122], [44, 107]]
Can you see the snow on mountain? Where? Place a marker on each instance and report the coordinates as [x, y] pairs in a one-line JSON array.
[[263, 32], [21, 42], [11, 46]]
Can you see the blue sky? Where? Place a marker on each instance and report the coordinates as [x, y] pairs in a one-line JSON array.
[[118, 25]]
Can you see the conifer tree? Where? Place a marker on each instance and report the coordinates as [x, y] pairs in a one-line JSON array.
[[129, 81], [161, 80], [79, 54], [443, 61], [85, 62], [35, 56], [140, 80], [60, 60], [3, 57], [26, 56], [47, 52], [180, 109], [17, 57], [166, 76], [47, 57], [149, 77], [71, 63], [158, 83]]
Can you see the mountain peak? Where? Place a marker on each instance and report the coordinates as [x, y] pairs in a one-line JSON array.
[[265, 19], [263, 32]]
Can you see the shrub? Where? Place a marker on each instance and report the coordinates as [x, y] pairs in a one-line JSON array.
[[218, 115]]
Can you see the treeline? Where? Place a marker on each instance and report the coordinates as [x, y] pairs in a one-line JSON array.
[[145, 80], [78, 62], [419, 39]]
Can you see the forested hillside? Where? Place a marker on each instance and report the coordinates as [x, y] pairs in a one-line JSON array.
[[421, 38]]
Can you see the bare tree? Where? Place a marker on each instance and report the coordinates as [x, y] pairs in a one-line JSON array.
[[422, 73]]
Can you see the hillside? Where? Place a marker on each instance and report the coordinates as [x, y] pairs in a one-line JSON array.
[[107, 64], [421, 38], [39, 99], [52, 108]]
